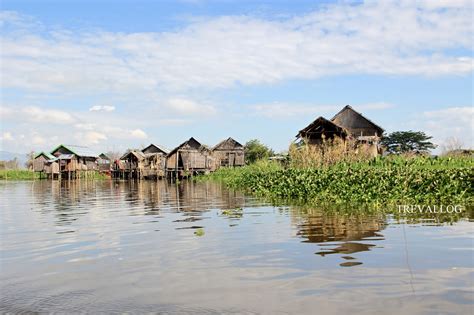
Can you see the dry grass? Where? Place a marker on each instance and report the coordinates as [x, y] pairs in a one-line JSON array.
[[328, 153]]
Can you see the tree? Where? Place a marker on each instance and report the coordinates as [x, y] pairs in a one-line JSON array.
[[451, 145], [30, 158], [407, 142], [255, 150]]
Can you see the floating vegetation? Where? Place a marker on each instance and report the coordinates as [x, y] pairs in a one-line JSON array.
[[233, 213], [380, 180], [199, 232]]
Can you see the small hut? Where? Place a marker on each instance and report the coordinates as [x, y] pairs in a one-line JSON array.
[[228, 153], [347, 123], [103, 163], [133, 164], [41, 160], [189, 158], [75, 161], [155, 161], [46, 163]]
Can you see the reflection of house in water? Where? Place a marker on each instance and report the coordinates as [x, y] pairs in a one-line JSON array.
[[188, 196], [339, 233], [68, 200]]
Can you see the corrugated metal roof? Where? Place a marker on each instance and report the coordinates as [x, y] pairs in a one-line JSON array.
[[77, 150], [46, 154]]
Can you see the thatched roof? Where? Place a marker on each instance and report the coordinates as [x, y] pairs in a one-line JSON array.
[[191, 143], [319, 127], [227, 144], [136, 153], [351, 116], [156, 148]]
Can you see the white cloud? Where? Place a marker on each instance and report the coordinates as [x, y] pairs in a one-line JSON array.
[[102, 108], [138, 134], [374, 37], [457, 122], [6, 136], [189, 107], [90, 137], [37, 140], [37, 114]]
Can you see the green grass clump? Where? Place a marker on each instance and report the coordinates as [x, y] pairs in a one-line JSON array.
[[18, 175]]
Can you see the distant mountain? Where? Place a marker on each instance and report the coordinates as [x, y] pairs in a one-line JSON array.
[[8, 156]]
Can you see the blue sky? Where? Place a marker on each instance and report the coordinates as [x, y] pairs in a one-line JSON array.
[[114, 75]]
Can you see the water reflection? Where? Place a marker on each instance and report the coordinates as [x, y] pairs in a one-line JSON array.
[[339, 233], [105, 246]]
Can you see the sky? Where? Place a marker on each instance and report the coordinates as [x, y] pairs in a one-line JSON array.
[[114, 75]]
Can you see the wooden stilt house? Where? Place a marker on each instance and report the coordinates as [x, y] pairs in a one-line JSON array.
[[104, 163], [155, 161], [228, 153], [133, 164], [346, 124], [75, 161], [46, 163], [189, 158]]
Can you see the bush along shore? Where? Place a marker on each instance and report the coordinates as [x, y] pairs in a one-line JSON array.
[[388, 180]]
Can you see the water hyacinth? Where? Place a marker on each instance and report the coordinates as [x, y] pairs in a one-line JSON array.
[[399, 179]]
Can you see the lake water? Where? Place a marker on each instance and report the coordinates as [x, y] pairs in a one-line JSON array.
[[103, 246]]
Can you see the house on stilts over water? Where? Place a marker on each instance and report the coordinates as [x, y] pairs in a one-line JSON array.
[[74, 161], [346, 124], [155, 161], [228, 153], [46, 163], [131, 165], [189, 158]]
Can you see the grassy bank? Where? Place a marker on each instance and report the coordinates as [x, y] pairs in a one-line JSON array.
[[18, 175], [381, 180], [30, 175]]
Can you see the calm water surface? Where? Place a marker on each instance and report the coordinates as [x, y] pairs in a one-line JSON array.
[[110, 247]]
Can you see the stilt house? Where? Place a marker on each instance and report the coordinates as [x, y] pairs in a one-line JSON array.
[[228, 153], [347, 123], [133, 163], [75, 160], [155, 161], [190, 157]]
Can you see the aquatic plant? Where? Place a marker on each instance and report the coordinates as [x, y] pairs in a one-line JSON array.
[[199, 232], [391, 179]]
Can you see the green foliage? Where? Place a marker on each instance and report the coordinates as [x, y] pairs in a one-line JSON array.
[[255, 150], [18, 175], [407, 142], [380, 180]]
